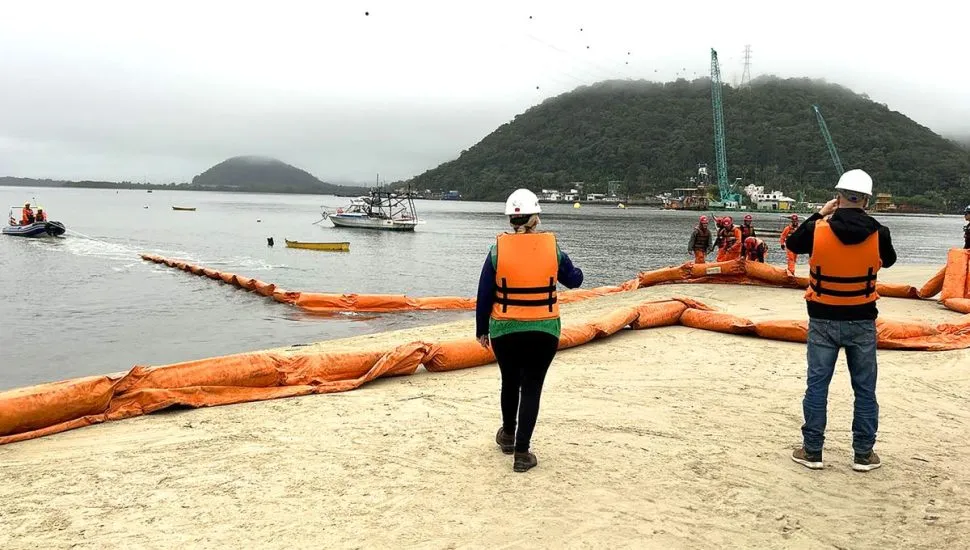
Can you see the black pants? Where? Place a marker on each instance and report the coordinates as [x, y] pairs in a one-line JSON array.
[[523, 358]]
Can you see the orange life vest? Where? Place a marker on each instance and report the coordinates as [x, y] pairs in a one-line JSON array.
[[842, 274], [730, 236], [526, 273], [759, 250], [785, 232]]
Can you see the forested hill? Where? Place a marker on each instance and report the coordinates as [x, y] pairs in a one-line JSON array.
[[261, 175], [248, 174], [651, 136]]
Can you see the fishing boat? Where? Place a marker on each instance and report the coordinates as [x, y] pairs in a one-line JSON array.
[[36, 229], [382, 209], [184, 208], [331, 247]]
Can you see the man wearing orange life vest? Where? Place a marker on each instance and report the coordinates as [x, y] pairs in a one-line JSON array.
[[728, 240], [755, 250], [747, 230], [517, 314], [792, 257], [846, 249], [26, 215]]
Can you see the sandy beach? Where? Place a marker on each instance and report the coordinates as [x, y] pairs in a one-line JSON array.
[[661, 438]]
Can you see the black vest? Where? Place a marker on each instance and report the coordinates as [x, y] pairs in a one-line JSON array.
[[702, 241]]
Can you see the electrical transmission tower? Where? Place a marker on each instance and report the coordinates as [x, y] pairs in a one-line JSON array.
[[746, 76]]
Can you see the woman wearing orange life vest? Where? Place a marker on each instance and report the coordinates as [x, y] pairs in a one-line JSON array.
[[792, 257], [517, 314]]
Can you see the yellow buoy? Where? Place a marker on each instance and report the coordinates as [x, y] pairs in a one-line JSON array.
[[620, 205], [576, 205]]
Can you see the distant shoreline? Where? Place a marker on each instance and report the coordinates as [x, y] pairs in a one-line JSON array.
[[356, 192], [349, 192]]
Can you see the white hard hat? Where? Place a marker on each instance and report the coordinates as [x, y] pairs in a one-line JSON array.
[[522, 202], [856, 180]]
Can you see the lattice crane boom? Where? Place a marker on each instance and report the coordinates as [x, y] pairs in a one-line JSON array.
[[828, 141], [720, 152]]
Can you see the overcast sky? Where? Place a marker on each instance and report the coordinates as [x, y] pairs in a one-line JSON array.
[[132, 90]]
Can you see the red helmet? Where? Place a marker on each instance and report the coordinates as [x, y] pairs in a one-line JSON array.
[[703, 220], [748, 217], [729, 221], [794, 217], [750, 242]]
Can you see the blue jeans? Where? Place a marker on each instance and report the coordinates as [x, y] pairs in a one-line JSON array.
[[825, 337]]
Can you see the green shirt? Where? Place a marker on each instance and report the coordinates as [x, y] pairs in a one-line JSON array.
[[497, 328]]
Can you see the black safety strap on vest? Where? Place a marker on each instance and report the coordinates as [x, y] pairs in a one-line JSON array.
[[817, 280], [502, 295]]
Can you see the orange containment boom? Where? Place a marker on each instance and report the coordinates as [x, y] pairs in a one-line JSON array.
[[318, 302], [31, 412], [730, 272]]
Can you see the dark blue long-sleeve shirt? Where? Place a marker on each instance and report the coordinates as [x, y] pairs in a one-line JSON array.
[[569, 276]]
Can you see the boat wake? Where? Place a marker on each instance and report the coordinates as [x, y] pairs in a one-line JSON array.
[[125, 256], [91, 247]]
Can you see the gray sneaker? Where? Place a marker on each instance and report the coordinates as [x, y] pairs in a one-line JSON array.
[[865, 463], [812, 461]]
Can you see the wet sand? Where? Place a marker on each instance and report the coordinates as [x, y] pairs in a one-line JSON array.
[[670, 437]]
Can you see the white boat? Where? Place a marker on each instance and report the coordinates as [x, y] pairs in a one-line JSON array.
[[381, 210]]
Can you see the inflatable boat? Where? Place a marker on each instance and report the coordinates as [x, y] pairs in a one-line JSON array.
[[36, 229]]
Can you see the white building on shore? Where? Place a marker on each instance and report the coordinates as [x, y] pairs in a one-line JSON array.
[[776, 200]]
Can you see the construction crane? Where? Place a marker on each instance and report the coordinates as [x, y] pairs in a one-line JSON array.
[[828, 141], [729, 199]]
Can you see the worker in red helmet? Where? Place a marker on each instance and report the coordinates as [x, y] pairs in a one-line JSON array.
[[792, 257], [701, 241], [729, 240], [755, 250], [747, 230]]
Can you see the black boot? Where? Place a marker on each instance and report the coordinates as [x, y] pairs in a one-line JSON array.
[[505, 441], [523, 462]]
